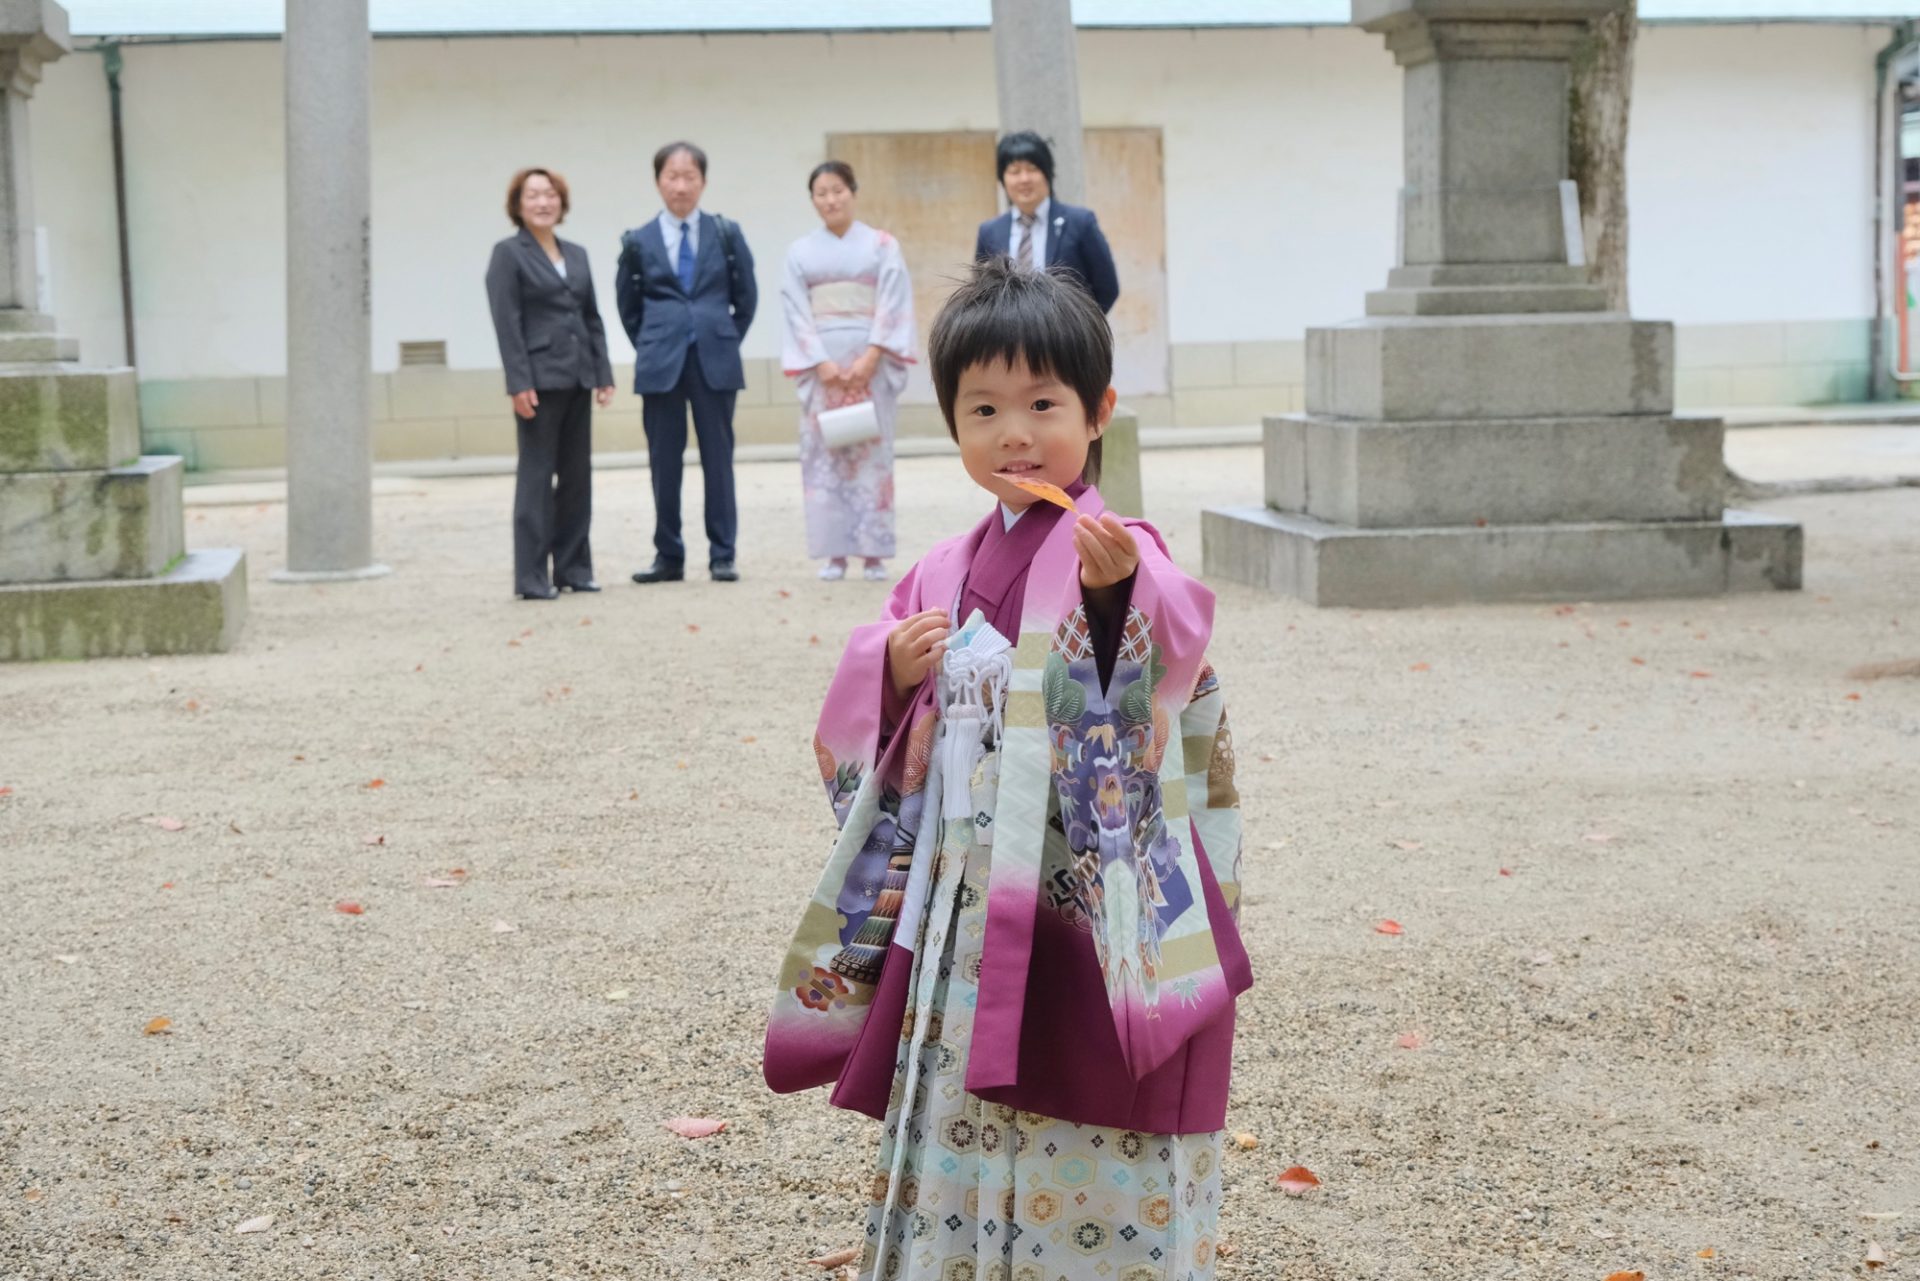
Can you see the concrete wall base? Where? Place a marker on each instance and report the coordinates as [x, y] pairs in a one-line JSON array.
[[198, 607], [1120, 464], [1339, 565]]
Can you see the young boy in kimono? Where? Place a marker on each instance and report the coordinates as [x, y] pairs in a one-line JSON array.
[[1023, 956]]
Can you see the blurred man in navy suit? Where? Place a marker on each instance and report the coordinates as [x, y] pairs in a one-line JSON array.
[[1041, 232]]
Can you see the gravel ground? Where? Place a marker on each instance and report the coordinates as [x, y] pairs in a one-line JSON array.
[[1655, 864]]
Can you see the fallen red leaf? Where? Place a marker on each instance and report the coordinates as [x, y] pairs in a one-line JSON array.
[[813, 640], [1421, 667], [376, 840], [1408, 846], [168, 824], [1297, 1180], [375, 784], [1410, 1041], [1853, 698], [1387, 927], [586, 622], [784, 593], [1638, 662], [1506, 871], [750, 738], [166, 885], [694, 1127], [1626, 1276], [838, 1259], [693, 627], [158, 1027], [349, 909], [6, 791], [1701, 676], [1704, 1254]]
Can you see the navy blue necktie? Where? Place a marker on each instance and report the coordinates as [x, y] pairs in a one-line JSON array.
[[685, 264]]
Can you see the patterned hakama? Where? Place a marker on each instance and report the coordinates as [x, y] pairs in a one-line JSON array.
[[967, 1190]]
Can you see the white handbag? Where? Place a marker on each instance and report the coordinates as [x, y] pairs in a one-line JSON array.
[[850, 425]]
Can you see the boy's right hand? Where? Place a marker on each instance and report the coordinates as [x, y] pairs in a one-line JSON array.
[[913, 647]]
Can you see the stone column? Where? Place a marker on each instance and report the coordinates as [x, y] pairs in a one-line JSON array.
[[1489, 431], [35, 33], [1035, 64], [93, 555], [329, 325]]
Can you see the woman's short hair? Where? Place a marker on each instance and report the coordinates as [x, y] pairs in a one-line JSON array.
[[1045, 320], [838, 168], [520, 181], [1028, 146], [668, 152]]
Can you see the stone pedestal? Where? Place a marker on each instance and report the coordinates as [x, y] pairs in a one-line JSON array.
[[1488, 431], [93, 558]]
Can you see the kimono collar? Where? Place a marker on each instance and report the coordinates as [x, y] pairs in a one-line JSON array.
[[1008, 549]]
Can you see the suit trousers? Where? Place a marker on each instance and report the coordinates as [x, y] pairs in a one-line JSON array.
[[664, 415], [553, 496]]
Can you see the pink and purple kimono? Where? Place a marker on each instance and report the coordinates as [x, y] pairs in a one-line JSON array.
[[1023, 955]]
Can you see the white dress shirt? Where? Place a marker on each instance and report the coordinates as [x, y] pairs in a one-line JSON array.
[[670, 228], [1042, 224]]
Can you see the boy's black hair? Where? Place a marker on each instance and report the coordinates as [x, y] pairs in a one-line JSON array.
[[1041, 319], [1028, 146]]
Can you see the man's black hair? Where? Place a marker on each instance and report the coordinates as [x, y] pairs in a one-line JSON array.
[[667, 153], [1003, 314], [1028, 146]]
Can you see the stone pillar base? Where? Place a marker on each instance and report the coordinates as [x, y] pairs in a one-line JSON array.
[[196, 607], [1341, 565], [1120, 464]]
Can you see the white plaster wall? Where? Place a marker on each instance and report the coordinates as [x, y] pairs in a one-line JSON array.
[[1750, 170], [1750, 173], [73, 200]]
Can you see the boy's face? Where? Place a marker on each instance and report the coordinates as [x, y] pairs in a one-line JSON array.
[[1012, 421]]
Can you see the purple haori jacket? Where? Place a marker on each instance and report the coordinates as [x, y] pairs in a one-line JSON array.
[[1047, 1035]]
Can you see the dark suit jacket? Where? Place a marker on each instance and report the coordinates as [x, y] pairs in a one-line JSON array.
[[549, 329], [659, 315], [1074, 241]]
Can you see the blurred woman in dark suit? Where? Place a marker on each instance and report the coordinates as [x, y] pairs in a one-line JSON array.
[[554, 350]]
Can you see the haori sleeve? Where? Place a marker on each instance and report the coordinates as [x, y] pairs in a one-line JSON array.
[[802, 348], [861, 711], [893, 324]]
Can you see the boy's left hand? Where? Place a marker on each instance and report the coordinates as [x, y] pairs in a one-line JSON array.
[[1107, 551]]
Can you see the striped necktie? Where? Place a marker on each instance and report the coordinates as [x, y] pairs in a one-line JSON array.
[[1025, 255]]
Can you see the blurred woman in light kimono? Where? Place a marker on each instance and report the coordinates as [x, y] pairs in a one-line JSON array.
[[849, 309]]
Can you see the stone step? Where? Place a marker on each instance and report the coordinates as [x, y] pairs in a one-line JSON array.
[[13, 320], [1338, 565], [37, 347], [197, 607], [1400, 368], [1499, 471], [78, 526], [59, 417], [1486, 300]]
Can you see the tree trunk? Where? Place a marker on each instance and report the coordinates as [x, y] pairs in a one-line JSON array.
[[1602, 92]]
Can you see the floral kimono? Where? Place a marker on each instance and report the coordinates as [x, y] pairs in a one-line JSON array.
[[841, 295], [1020, 957]]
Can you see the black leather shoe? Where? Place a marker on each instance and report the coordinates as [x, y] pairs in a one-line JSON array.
[[549, 594], [588, 586], [660, 572], [724, 572]]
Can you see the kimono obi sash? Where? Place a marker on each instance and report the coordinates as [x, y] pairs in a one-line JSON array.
[[842, 298]]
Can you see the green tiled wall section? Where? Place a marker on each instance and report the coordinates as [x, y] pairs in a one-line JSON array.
[[217, 424]]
